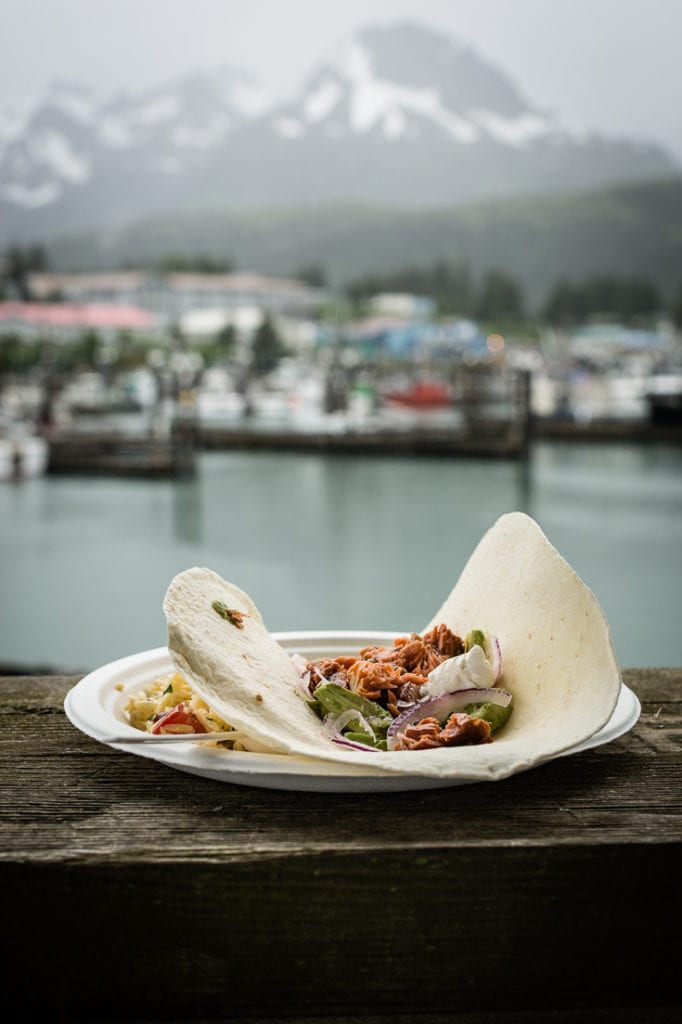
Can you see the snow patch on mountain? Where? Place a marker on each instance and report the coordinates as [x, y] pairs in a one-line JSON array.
[[115, 133], [429, 122], [395, 124], [127, 123], [348, 90], [288, 127], [321, 102], [31, 197], [201, 136], [56, 152], [157, 110], [75, 100], [15, 115], [246, 97], [513, 131], [35, 171]]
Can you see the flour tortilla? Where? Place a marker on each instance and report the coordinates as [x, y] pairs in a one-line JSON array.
[[558, 660]]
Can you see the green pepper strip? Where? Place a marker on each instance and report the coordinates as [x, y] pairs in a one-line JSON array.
[[335, 699]]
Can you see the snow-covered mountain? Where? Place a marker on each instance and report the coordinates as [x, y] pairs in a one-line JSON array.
[[399, 114], [71, 137], [402, 84]]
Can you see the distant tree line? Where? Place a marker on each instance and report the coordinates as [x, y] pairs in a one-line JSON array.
[[17, 263], [450, 285], [312, 274], [571, 302], [178, 263], [495, 297], [127, 351], [89, 351], [498, 297]]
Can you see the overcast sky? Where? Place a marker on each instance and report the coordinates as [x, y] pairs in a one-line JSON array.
[[612, 64]]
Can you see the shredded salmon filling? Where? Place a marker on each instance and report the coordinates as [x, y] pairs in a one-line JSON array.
[[388, 674], [459, 730]]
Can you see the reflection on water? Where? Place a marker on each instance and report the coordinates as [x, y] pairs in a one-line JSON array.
[[524, 485], [331, 542], [187, 511]]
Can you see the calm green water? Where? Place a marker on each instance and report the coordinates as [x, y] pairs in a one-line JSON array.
[[331, 542]]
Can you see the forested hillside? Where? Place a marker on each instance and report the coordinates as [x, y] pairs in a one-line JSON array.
[[633, 231]]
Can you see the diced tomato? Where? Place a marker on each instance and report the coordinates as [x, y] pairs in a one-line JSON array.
[[179, 715]]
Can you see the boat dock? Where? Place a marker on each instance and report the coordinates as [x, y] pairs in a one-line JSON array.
[[378, 441], [644, 431], [491, 419], [113, 454]]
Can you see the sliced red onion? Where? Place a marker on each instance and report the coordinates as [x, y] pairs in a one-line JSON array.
[[494, 655], [343, 742], [344, 718], [305, 675], [301, 666], [333, 724], [319, 678], [443, 706], [299, 662]]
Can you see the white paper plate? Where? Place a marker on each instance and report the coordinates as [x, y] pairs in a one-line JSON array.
[[95, 706]]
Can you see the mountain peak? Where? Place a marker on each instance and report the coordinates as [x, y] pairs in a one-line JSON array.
[[405, 81], [399, 113], [413, 55]]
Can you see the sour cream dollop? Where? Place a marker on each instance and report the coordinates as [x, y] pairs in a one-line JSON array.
[[460, 673]]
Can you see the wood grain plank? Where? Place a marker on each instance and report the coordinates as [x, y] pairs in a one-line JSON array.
[[144, 893]]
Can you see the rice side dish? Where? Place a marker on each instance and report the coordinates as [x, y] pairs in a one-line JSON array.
[[169, 706]]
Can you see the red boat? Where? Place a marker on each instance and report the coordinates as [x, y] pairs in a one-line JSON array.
[[423, 395]]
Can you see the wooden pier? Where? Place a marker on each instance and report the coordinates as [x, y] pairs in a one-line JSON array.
[[491, 420], [377, 441], [636, 431], [118, 454]]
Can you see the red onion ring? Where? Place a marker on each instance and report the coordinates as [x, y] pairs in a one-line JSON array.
[[333, 724], [494, 654], [443, 706], [301, 665], [343, 742]]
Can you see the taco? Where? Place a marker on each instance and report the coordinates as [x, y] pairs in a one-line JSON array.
[[516, 595]]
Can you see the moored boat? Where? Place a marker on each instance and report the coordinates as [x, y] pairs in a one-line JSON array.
[[664, 398], [426, 394], [23, 458]]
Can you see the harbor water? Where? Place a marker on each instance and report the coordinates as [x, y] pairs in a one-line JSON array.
[[331, 542]]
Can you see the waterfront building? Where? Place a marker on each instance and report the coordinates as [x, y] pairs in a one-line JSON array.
[[171, 295], [67, 321]]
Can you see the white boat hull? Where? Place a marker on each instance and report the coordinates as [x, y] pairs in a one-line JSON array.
[[23, 458]]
